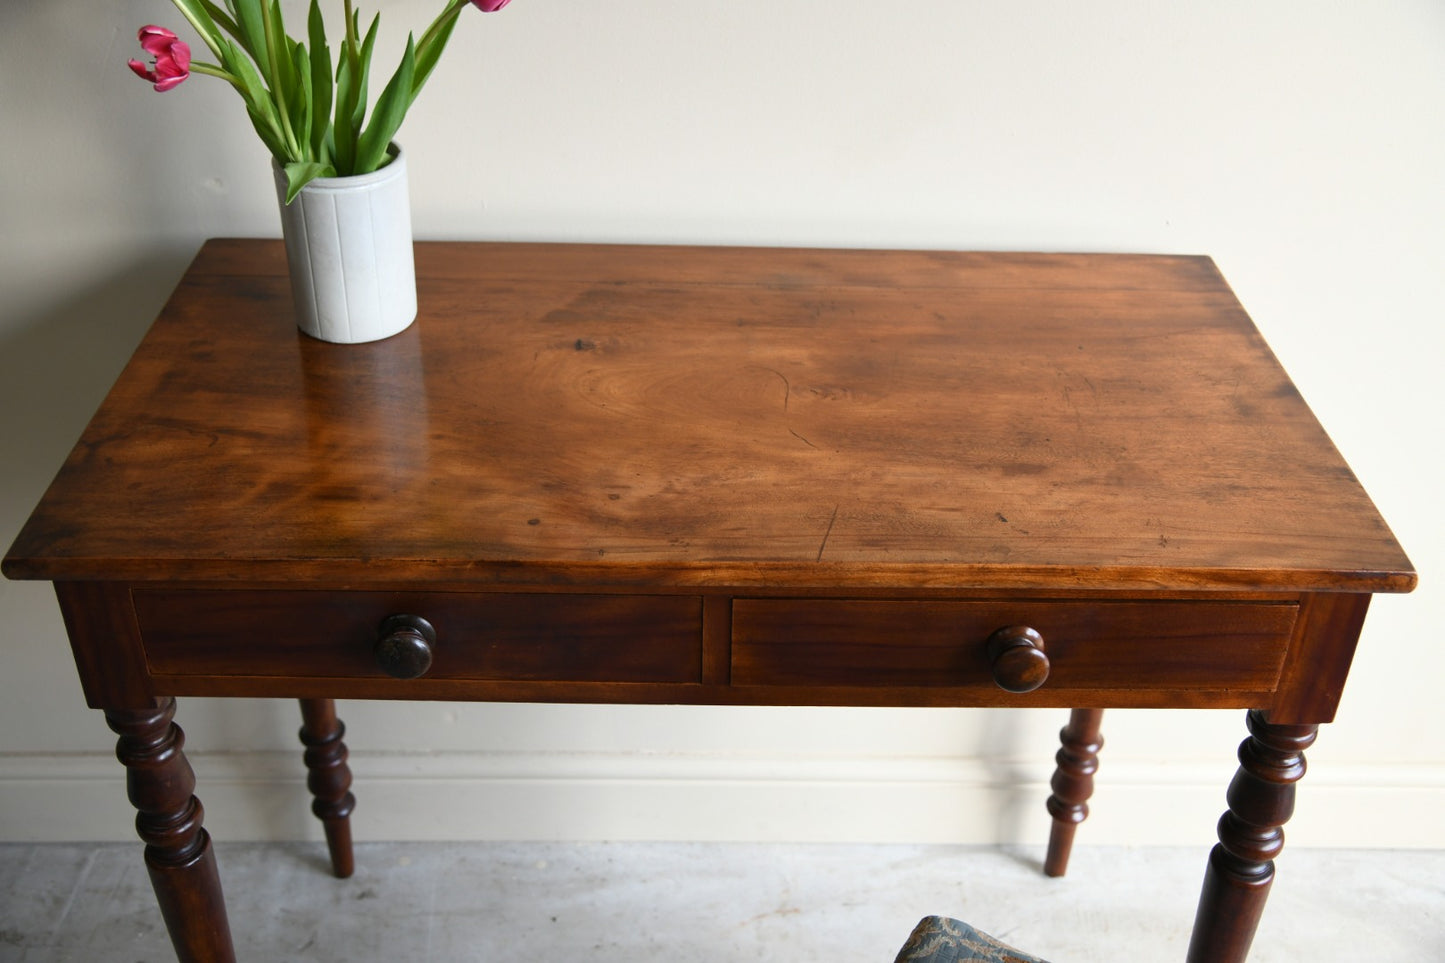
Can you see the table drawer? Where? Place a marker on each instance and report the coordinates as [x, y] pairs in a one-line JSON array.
[[1090, 644], [316, 634]]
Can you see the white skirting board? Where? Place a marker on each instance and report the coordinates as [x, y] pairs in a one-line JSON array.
[[261, 796]]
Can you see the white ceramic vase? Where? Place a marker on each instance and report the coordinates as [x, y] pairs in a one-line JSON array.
[[349, 247]]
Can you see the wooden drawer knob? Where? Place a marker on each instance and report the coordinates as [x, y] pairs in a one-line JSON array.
[[1016, 656], [403, 646]]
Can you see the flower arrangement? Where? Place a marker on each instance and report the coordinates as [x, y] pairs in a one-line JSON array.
[[310, 114]]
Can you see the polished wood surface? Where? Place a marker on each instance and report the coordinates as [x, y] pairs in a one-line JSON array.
[[1094, 644], [715, 476], [488, 636], [614, 415], [1251, 834], [329, 779], [1073, 783], [178, 853]]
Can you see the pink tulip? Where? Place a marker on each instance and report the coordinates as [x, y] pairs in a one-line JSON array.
[[171, 61], [490, 6]]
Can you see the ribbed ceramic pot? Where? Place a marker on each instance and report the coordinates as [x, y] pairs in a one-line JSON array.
[[349, 247]]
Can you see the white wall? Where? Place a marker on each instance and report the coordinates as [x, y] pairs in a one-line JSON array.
[[1301, 144]]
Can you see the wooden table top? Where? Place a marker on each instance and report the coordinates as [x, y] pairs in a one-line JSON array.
[[596, 415]]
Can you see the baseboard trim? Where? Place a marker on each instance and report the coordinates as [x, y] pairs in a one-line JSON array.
[[261, 796]]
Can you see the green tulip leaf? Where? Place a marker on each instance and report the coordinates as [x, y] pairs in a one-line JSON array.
[[351, 84], [218, 16], [387, 117], [301, 173], [429, 50], [300, 102], [251, 32], [310, 113], [321, 88]]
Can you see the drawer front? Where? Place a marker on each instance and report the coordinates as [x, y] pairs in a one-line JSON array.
[[316, 634], [1090, 644]]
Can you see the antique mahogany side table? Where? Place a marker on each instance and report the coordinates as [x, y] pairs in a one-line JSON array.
[[622, 474]]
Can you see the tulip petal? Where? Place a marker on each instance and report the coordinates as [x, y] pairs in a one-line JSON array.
[[171, 57], [141, 70], [155, 39]]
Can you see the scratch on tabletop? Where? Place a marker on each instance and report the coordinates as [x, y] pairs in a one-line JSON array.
[[831, 520], [787, 385], [801, 438]]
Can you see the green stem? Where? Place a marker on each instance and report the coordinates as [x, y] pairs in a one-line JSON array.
[[351, 51], [275, 50], [221, 18], [206, 30], [211, 70], [433, 41], [454, 7]]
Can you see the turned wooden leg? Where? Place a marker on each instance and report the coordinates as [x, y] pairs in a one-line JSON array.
[[329, 779], [1251, 834], [1073, 784], [178, 854]]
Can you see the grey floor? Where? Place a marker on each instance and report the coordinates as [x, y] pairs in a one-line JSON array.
[[690, 903]]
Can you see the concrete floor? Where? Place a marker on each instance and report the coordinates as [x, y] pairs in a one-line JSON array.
[[708, 903]]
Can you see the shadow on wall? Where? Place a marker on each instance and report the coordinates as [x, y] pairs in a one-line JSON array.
[[999, 746], [57, 366]]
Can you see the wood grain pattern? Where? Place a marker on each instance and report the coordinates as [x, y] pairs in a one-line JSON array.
[[329, 779], [1251, 834], [1073, 783], [1313, 677], [572, 414], [579, 638], [715, 475], [106, 644], [178, 853], [1091, 645]]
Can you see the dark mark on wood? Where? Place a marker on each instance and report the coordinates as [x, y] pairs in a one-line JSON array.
[[831, 520]]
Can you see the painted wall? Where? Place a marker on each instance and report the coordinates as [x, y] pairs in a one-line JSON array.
[[1301, 144]]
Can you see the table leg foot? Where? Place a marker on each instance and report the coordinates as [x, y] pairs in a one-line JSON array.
[[1073, 784], [329, 779], [178, 854], [1251, 833]]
